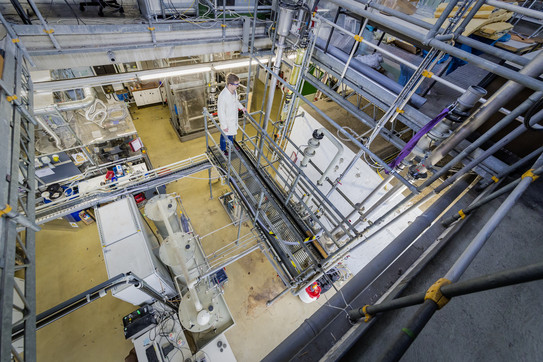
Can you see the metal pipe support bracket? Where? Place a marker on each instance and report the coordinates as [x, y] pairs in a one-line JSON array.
[[530, 173], [5, 210], [356, 314], [367, 316], [434, 293]]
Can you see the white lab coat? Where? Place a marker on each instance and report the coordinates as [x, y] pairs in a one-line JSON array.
[[227, 110]]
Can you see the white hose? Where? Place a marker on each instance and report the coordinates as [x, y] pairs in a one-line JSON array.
[[117, 107], [92, 113]]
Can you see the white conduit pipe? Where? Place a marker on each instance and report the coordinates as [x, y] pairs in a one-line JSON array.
[[185, 271], [339, 152], [65, 106], [91, 114]]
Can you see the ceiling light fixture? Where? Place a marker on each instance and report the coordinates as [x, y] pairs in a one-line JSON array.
[[244, 63], [174, 73]]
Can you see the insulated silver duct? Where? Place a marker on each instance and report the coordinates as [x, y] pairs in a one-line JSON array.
[[89, 94]]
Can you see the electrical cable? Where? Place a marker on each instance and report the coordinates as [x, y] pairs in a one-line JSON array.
[[531, 112]]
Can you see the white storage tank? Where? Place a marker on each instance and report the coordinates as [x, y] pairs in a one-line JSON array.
[[163, 207]]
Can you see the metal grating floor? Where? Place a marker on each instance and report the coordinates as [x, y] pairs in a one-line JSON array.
[[288, 235]]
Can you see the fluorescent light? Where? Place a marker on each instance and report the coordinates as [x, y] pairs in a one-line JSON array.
[[174, 73], [244, 63]]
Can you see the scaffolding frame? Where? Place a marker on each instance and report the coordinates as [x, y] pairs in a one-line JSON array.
[[17, 199], [17, 190]]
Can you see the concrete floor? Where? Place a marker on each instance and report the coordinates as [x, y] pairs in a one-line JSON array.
[[69, 261]]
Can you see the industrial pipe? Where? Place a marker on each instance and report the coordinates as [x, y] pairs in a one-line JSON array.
[[506, 171], [472, 11], [345, 172], [462, 213], [517, 9], [283, 30], [343, 131], [523, 107], [477, 243], [493, 104], [462, 39], [392, 193], [320, 319], [444, 16], [369, 72], [382, 184], [491, 150], [358, 8], [501, 279], [339, 152], [426, 311], [517, 59]]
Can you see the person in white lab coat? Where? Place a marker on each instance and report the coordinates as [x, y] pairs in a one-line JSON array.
[[227, 109]]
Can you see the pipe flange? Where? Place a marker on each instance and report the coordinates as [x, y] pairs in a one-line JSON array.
[[318, 135]]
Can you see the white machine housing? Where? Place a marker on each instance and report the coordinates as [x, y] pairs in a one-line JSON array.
[[129, 245]]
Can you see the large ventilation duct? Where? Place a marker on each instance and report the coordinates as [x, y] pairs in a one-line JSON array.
[[71, 105], [367, 71]]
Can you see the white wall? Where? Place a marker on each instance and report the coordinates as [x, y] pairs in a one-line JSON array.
[[357, 184]]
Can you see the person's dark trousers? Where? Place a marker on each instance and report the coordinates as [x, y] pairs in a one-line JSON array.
[[223, 141]]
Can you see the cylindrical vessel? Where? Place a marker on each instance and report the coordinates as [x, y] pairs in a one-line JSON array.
[[285, 19], [162, 209], [176, 249]]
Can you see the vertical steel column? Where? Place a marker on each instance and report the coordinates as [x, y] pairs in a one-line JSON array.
[[17, 141], [15, 39], [207, 147], [284, 23], [30, 245]]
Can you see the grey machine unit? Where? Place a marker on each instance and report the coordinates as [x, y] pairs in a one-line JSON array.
[[129, 245], [152, 8]]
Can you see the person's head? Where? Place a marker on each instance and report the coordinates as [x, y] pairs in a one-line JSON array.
[[232, 82]]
